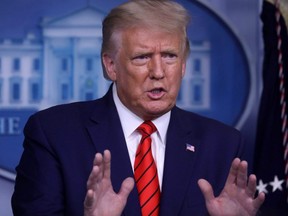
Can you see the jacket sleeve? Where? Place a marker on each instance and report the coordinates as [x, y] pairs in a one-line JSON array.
[[38, 186]]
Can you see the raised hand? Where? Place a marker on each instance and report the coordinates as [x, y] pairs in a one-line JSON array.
[[101, 200], [238, 196]]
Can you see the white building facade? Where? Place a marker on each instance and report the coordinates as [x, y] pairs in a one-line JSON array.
[[64, 65]]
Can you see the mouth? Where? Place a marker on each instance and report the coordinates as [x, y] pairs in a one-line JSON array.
[[156, 93]]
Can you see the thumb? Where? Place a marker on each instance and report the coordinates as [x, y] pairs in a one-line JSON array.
[[126, 187], [206, 190]]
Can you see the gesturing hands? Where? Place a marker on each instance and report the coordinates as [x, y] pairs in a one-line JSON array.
[[237, 197], [101, 198]]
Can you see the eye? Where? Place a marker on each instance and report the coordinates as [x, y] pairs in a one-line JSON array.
[[169, 57], [140, 59]]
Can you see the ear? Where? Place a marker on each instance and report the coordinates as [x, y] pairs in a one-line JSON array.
[[109, 65], [183, 68]]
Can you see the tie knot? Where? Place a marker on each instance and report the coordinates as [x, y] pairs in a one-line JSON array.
[[147, 128]]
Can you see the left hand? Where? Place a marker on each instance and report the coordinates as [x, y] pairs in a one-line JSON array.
[[237, 197], [101, 199]]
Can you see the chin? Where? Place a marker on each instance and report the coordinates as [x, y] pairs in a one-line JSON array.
[[158, 112], [156, 109]]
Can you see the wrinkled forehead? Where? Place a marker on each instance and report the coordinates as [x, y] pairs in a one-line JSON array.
[[146, 37]]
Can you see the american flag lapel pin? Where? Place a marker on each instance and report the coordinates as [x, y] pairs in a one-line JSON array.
[[190, 147]]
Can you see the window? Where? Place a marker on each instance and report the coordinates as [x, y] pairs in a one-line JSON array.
[[16, 91], [1, 90], [197, 66], [89, 96], [89, 64], [35, 91], [197, 94], [16, 64], [64, 91], [64, 64], [36, 64]]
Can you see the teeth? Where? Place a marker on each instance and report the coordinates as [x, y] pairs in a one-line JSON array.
[[156, 91]]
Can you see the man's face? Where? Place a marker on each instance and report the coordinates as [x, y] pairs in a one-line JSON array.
[[147, 69]]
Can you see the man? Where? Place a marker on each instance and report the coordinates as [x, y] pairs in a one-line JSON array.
[[144, 53]]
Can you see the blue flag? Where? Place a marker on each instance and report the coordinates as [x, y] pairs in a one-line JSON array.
[[271, 155]]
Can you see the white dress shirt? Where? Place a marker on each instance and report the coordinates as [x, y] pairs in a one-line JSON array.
[[130, 123]]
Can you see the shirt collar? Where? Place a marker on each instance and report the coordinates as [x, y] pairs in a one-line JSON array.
[[130, 121]]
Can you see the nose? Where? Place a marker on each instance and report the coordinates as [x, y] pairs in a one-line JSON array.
[[156, 68]]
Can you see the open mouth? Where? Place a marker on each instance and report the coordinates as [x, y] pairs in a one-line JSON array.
[[156, 93]]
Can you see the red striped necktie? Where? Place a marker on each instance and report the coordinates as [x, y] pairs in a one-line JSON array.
[[145, 172]]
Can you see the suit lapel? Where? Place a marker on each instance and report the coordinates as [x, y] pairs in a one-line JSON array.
[[178, 164], [106, 133]]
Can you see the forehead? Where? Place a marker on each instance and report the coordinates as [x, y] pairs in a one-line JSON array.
[[145, 38]]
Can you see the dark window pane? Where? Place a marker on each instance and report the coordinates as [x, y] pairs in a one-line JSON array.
[[89, 64], [65, 92], [16, 64], [36, 64], [16, 91], [35, 90]]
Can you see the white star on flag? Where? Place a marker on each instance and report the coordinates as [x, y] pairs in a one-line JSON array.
[[261, 187], [190, 147], [276, 184]]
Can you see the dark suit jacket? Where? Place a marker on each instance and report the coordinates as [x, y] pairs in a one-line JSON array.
[[60, 144]]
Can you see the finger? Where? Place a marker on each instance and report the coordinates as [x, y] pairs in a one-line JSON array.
[[126, 187], [93, 178], [259, 200], [107, 164], [206, 190], [98, 161], [89, 199], [242, 173], [232, 176], [251, 188]]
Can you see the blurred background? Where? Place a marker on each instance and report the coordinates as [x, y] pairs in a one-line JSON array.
[[49, 54]]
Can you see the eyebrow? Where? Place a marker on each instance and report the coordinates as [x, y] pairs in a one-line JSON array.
[[147, 50]]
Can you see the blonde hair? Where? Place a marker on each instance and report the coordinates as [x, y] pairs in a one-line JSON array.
[[165, 15]]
